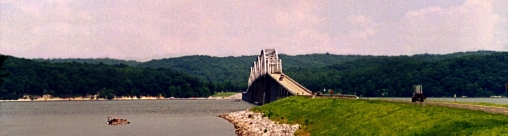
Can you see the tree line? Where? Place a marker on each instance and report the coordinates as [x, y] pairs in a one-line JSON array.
[[231, 73], [480, 75], [72, 79]]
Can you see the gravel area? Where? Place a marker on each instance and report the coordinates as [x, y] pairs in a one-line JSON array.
[[248, 123]]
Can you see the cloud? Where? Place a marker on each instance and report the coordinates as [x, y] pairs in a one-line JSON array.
[[145, 30], [471, 26], [468, 27]]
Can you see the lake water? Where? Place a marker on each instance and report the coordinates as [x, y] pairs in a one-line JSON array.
[[147, 117], [478, 100]]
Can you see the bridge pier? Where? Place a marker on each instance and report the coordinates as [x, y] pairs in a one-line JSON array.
[[265, 90]]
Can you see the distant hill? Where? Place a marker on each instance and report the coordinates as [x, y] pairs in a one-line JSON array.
[[473, 75], [72, 79], [106, 61], [234, 71], [231, 71], [477, 74]]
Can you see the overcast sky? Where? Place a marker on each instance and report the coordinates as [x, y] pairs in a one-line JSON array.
[[154, 29]]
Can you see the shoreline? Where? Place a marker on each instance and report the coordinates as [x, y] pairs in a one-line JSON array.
[[115, 99], [248, 123], [237, 96]]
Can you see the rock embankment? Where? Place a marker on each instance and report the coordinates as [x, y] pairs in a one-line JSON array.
[[248, 123]]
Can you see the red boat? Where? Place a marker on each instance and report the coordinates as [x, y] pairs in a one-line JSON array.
[[117, 121]]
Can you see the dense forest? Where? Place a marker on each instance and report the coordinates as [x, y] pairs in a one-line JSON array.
[[72, 79], [478, 75], [106, 61], [474, 74], [2, 74], [232, 72]]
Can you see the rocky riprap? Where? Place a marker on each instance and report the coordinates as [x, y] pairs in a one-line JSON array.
[[248, 123]]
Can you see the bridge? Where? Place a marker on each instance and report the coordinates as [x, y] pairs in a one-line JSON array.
[[267, 83]]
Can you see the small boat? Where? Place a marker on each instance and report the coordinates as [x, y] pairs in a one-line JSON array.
[[117, 121]]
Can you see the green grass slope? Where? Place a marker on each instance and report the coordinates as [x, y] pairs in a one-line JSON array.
[[323, 116]]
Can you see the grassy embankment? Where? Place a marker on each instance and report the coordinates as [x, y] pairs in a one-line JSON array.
[[224, 94], [324, 116]]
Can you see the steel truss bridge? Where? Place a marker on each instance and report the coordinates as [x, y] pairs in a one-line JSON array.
[[267, 83]]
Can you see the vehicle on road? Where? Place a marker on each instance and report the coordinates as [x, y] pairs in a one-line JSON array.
[[418, 96]]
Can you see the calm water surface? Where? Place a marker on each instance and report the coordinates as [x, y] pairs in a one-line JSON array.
[[147, 117]]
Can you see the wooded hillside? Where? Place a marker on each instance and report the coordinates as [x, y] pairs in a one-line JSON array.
[[74, 79], [480, 74]]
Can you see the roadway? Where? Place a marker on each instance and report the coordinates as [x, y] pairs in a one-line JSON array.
[[488, 109], [290, 85]]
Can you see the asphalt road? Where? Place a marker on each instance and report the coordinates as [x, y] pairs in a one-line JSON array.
[[289, 85], [489, 109]]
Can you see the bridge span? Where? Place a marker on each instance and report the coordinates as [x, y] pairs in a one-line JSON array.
[[267, 83]]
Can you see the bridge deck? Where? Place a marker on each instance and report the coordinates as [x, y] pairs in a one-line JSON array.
[[291, 85]]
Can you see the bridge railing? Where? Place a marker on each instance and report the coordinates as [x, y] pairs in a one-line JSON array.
[[299, 85], [265, 64], [275, 67]]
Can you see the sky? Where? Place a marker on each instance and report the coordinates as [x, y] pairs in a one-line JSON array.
[[153, 29]]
